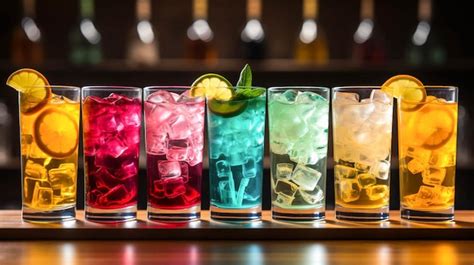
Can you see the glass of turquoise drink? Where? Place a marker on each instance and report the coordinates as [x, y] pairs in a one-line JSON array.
[[236, 130], [298, 126]]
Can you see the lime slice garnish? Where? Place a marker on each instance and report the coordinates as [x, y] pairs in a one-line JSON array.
[[212, 86]]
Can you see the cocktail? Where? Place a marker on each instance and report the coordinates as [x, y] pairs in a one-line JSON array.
[[298, 122], [49, 132], [236, 128], [427, 130], [362, 126], [174, 122], [111, 122]]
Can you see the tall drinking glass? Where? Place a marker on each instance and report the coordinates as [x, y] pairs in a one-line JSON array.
[[236, 139], [362, 126], [298, 122], [49, 140], [427, 133], [111, 121], [174, 123]]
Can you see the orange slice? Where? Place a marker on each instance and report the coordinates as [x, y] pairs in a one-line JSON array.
[[409, 90], [33, 88], [434, 125], [56, 133]]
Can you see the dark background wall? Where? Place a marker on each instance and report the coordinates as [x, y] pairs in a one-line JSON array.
[[281, 21]]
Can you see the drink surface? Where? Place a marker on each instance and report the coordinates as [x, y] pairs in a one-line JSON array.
[[111, 150], [427, 148], [362, 141], [49, 155], [236, 142], [298, 144], [174, 145]]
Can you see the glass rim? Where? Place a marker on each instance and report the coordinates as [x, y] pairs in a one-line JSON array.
[[112, 88], [427, 87], [62, 87], [148, 88], [284, 88]]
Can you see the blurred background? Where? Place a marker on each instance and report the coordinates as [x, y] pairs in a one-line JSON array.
[[287, 42]]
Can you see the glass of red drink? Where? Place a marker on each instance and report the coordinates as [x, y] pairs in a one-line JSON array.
[[111, 119], [174, 126]]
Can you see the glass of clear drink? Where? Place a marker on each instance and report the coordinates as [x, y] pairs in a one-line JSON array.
[[427, 134], [111, 119], [362, 134], [298, 122], [174, 130]]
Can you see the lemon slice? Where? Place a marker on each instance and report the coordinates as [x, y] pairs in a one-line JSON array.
[[212, 86], [434, 125], [56, 133], [409, 90], [33, 88]]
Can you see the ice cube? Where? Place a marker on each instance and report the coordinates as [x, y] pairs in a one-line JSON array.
[[345, 98], [313, 197], [184, 171], [113, 147], [303, 155], [131, 136], [249, 168], [308, 97], [426, 196], [42, 197], [26, 141], [174, 187], [29, 186], [378, 95], [129, 169], [349, 189], [161, 96], [289, 96], [179, 128], [377, 192], [169, 169], [381, 169], [443, 159], [433, 176], [131, 116], [357, 113], [157, 143], [178, 149], [285, 187], [305, 177], [366, 180], [421, 154], [284, 170], [226, 192], [279, 146], [35, 171], [192, 196], [345, 172], [108, 123], [415, 166], [237, 157], [116, 195], [63, 179], [158, 189], [223, 169], [445, 195], [361, 167], [186, 97], [240, 193], [283, 200], [104, 180]]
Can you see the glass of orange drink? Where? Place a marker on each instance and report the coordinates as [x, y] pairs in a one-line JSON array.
[[427, 130], [49, 133]]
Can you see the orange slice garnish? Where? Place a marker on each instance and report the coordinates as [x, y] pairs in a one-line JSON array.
[[33, 87], [409, 90], [56, 133]]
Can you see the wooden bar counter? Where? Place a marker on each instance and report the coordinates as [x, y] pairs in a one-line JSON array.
[[267, 242]]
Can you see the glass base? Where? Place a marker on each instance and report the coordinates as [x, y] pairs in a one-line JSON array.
[[181, 215], [427, 216], [226, 214], [111, 215], [357, 214], [63, 215], [298, 215]]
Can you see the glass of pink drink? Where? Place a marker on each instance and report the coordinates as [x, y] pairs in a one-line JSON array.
[[174, 123], [111, 124]]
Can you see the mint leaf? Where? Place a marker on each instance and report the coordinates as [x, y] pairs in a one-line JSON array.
[[247, 93], [245, 79]]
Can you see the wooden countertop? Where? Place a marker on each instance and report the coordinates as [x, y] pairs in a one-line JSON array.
[[236, 252], [13, 228]]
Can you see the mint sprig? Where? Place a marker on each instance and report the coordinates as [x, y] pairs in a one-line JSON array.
[[245, 78], [244, 86]]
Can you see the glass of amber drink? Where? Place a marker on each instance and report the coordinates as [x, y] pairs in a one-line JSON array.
[[427, 151]]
